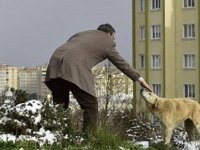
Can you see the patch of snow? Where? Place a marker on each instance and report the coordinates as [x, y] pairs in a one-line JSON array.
[[9, 94], [143, 144], [7, 137], [31, 106]]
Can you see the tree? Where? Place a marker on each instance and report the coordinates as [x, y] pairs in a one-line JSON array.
[[3, 93], [21, 96], [111, 88], [33, 96]]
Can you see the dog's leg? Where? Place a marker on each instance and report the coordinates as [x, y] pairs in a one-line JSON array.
[[197, 125], [168, 134], [189, 127]]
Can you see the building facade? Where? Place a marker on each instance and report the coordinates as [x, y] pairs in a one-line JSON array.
[[43, 89], [166, 46], [28, 80], [108, 80], [8, 77]]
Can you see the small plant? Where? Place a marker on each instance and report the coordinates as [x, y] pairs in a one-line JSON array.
[[36, 120], [7, 145], [143, 131], [105, 139]]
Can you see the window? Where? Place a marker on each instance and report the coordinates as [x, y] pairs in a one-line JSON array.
[[155, 4], [142, 33], [188, 3], [155, 32], [142, 61], [157, 89], [189, 61], [189, 90], [188, 30], [156, 61], [141, 5]]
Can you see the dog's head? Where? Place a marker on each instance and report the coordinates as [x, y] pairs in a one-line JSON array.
[[150, 98]]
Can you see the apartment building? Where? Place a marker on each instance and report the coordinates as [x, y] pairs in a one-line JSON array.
[[43, 89], [28, 79], [31, 79], [8, 77], [166, 46]]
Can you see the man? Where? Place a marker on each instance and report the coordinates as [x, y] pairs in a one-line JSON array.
[[70, 67]]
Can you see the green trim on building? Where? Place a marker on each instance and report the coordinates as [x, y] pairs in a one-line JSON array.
[[147, 62], [164, 49], [198, 48], [134, 101]]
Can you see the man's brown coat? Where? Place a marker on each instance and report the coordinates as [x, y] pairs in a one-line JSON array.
[[74, 59]]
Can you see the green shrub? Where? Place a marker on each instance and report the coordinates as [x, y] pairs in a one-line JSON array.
[[7, 145], [105, 139]]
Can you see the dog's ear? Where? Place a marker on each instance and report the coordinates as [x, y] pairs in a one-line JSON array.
[[155, 105], [156, 102]]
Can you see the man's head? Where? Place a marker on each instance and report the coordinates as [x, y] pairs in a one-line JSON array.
[[107, 28]]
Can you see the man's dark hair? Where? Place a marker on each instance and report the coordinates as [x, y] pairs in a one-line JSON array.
[[107, 28]]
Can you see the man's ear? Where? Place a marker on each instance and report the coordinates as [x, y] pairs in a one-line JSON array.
[[109, 34]]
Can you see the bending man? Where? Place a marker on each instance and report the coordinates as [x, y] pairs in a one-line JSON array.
[[70, 67]]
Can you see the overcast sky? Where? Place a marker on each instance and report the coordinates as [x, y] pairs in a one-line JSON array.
[[30, 30]]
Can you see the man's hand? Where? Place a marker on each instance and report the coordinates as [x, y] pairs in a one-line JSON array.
[[144, 84]]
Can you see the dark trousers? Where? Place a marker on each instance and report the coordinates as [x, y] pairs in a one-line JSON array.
[[60, 90]]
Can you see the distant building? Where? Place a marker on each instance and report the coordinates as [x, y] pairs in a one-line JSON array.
[[31, 80], [8, 77], [28, 79], [110, 80], [43, 90]]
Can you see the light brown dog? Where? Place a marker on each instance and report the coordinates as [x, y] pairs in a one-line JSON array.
[[172, 112]]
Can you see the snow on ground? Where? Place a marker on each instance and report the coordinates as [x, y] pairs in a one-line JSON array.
[[31, 109], [34, 107]]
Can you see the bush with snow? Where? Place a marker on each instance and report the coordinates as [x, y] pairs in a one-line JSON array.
[[34, 120], [44, 123], [139, 130]]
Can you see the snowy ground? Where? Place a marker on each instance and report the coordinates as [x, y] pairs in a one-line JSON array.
[[33, 108]]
